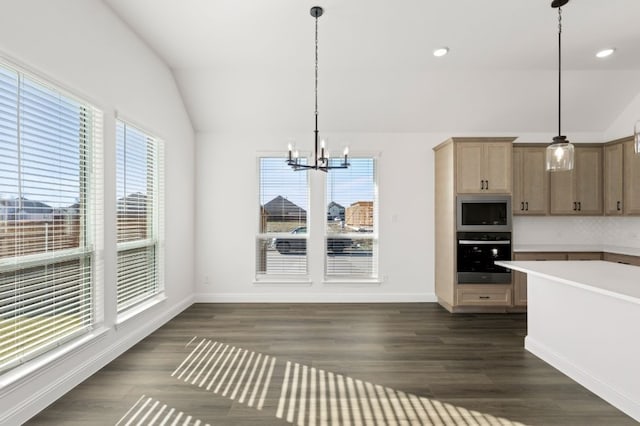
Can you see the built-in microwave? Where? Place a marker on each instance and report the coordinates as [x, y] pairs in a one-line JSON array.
[[483, 213]]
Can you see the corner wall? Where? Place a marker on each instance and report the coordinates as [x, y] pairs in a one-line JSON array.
[[83, 47]]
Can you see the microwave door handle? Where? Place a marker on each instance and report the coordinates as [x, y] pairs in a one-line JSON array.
[[477, 242]]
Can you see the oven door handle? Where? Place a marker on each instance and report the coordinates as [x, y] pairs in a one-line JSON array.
[[483, 242]]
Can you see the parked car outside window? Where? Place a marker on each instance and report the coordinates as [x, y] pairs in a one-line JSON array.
[[299, 245]]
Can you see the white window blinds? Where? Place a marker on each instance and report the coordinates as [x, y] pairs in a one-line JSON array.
[[139, 215], [351, 240], [281, 244], [49, 216]]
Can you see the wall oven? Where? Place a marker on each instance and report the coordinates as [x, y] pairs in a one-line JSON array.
[[483, 213], [476, 254]]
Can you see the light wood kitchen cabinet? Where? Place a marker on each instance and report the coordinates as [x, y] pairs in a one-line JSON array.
[[584, 255], [621, 178], [578, 191], [631, 204], [520, 278], [530, 181], [461, 166], [613, 178], [622, 258], [483, 166]]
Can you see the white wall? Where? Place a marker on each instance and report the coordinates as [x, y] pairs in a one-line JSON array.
[[83, 47], [623, 125]]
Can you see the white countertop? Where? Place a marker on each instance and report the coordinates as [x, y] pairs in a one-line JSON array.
[[631, 251], [609, 278]]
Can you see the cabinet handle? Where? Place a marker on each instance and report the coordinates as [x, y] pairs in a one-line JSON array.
[[522, 205], [485, 297], [579, 206], [618, 205], [575, 206], [481, 184], [486, 182], [527, 206]]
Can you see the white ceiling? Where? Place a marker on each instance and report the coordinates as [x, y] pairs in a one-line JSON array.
[[247, 65]]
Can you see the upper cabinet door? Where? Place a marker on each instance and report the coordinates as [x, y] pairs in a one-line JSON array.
[[497, 167], [530, 181], [631, 180], [562, 198], [469, 168], [613, 179], [588, 180], [483, 168], [579, 191]]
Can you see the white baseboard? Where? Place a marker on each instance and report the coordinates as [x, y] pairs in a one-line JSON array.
[[48, 394], [334, 297], [604, 391]]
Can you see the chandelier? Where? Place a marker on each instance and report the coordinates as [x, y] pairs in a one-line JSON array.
[[321, 152], [560, 152]]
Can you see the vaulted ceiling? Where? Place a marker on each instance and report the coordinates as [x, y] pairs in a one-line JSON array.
[[248, 65]]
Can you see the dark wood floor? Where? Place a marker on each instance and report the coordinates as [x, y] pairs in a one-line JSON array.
[[319, 364]]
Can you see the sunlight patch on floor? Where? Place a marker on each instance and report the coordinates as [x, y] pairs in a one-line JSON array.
[[148, 411], [312, 396]]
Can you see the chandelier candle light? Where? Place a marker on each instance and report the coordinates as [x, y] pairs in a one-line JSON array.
[[320, 157], [560, 152]]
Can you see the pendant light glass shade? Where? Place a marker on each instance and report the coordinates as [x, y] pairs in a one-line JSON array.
[[636, 137], [560, 155]]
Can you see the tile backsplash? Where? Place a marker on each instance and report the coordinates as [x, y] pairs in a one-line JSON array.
[[605, 230]]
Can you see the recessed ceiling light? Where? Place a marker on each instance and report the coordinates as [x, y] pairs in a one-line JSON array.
[[441, 51], [605, 52]]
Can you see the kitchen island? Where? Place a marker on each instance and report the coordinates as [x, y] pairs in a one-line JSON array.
[[584, 320]]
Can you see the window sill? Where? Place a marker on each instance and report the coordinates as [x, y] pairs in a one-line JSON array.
[[361, 281], [283, 281], [138, 309], [29, 369]]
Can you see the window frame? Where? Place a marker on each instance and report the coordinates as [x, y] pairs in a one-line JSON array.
[[154, 238], [374, 236], [269, 238], [88, 253]]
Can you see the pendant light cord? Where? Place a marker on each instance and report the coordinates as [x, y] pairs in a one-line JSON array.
[[316, 90], [559, 71], [315, 154]]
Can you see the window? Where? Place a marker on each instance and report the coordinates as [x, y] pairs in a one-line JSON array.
[[351, 249], [50, 228], [281, 245], [139, 207]]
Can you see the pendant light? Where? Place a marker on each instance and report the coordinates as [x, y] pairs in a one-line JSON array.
[[560, 152]]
